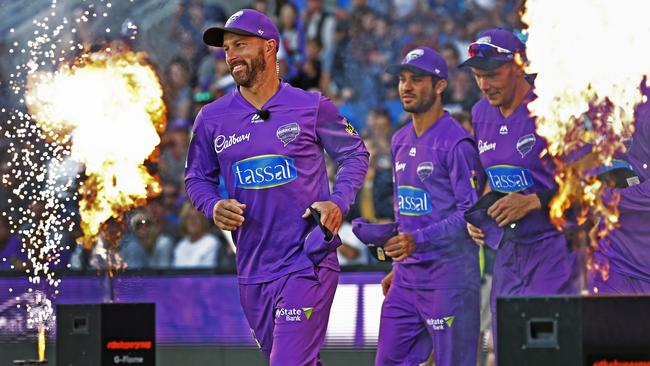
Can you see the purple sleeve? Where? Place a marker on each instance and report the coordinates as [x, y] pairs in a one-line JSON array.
[[635, 198], [202, 170], [343, 144], [395, 199], [464, 167]]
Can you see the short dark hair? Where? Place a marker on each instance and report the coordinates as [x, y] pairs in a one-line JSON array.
[[434, 80]]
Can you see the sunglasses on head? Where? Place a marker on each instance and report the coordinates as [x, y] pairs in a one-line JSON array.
[[487, 50]]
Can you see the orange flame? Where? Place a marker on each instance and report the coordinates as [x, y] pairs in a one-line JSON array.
[[107, 108], [585, 98]]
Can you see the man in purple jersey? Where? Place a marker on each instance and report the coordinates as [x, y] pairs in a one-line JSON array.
[[624, 253], [432, 294], [535, 260], [267, 139]]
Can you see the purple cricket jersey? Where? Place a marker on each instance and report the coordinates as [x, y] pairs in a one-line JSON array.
[[510, 150], [626, 248], [276, 168], [437, 178]]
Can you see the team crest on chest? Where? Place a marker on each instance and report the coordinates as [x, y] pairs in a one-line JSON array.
[[424, 170], [288, 132], [525, 144]]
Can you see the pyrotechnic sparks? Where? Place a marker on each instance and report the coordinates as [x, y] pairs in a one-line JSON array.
[[590, 56], [93, 120]]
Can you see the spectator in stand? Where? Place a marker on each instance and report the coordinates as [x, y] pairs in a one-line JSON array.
[[192, 16], [464, 93], [381, 162], [344, 67], [169, 225], [173, 199], [292, 38], [198, 248], [310, 72], [320, 25], [173, 152], [178, 91], [418, 35], [145, 247]]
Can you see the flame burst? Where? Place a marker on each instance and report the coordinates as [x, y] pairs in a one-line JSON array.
[[107, 107], [590, 56]]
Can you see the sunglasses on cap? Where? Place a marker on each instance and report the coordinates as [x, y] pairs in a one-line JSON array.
[[487, 50]]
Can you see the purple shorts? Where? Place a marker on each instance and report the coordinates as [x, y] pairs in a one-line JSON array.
[[288, 316], [415, 322]]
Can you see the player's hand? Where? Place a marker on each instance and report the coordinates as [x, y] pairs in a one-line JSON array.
[[386, 282], [513, 207], [476, 234], [228, 214], [330, 215], [400, 246]]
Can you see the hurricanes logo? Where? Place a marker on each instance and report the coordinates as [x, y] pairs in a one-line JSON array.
[[349, 128], [424, 170], [234, 17], [525, 144], [288, 132], [416, 53]]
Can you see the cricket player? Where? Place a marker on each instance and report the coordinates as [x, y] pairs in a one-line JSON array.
[[267, 139], [432, 300], [536, 260], [624, 254]]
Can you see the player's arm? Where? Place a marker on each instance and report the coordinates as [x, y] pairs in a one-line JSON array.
[[402, 245], [343, 144], [202, 181], [467, 181]]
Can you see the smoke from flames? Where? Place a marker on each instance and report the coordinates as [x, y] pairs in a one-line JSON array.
[[107, 108], [590, 57]]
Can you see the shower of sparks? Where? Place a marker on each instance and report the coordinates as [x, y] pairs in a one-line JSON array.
[[590, 68], [80, 128]]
